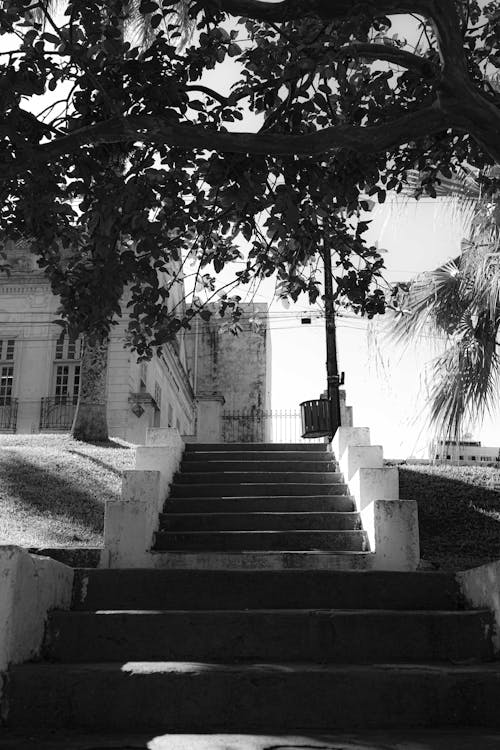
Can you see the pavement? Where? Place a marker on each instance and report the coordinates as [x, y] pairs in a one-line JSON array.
[[446, 739]]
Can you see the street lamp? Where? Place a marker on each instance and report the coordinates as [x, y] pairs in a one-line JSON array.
[[321, 417], [332, 368]]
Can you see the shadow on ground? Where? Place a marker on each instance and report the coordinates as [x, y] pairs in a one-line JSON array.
[[459, 521], [45, 491], [97, 461]]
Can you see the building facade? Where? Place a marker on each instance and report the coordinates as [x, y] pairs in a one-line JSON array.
[[464, 452], [40, 367]]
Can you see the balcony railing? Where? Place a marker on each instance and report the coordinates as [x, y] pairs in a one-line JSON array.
[[57, 412], [8, 415]]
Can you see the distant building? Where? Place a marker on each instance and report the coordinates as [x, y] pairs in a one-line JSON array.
[[465, 451]]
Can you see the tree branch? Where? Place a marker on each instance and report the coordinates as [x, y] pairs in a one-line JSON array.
[[150, 129], [391, 54], [447, 28], [328, 10], [209, 92]]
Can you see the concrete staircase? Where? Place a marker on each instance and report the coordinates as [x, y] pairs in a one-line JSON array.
[[259, 497], [206, 650]]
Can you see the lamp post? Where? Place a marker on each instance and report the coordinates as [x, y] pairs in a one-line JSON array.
[[332, 368]]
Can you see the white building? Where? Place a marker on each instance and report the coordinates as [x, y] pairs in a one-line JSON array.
[[464, 452], [40, 369]]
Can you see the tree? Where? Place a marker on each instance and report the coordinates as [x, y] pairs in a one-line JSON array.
[[345, 109], [90, 422], [460, 303]]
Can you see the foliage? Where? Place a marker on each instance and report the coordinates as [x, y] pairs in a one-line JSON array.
[[137, 165]]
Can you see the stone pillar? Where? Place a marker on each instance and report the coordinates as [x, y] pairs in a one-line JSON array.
[[345, 411], [130, 523], [142, 408]]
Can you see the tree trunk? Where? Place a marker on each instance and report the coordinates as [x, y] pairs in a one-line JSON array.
[[90, 423]]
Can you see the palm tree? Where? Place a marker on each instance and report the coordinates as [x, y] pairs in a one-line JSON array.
[[459, 302]]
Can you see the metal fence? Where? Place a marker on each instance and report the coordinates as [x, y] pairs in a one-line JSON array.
[[8, 415], [263, 426], [57, 412]]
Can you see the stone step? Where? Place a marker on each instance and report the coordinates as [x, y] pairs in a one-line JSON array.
[[262, 447], [204, 697], [256, 455], [258, 521], [280, 504], [252, 489], [261, 540], [333, 636], [262, 560], [257, 465], [259, 477], [263, 589]]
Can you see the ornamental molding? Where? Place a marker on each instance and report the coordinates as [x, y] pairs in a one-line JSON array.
[[25, 285]]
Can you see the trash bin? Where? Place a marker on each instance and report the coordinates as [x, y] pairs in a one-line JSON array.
[[318, 418]]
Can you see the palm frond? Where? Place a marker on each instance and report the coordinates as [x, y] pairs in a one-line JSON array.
[[465, 380], [431, 305], [139, 31], [38, 13]]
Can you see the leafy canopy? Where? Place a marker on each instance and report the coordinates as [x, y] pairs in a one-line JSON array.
[[137, 161]]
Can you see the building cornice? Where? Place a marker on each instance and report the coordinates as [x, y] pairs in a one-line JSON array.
[[24, 283]]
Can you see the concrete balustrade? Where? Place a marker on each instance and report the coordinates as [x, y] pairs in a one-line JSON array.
[[130, 523], [391, 524], [347, 436], [361, 457], [396, 542], [30, 586], [480, 587]]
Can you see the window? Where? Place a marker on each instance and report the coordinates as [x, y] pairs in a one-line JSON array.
[[66, 378], [7, 347], [6, 384], [67, 348], [486, 458], [472, 458], [143, 377], [67, 382], [7, 351], [157, 396], [460, 458]]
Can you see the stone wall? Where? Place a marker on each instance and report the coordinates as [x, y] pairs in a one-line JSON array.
[[236, 369]]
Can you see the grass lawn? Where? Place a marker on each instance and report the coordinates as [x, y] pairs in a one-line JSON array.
[[459, 512], [53, 488]]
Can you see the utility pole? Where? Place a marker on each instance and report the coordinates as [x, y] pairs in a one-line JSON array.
[[332, 368]]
